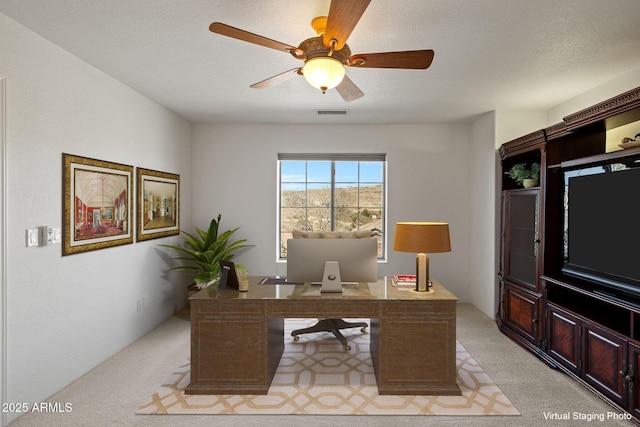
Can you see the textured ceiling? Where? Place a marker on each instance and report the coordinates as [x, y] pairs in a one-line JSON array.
[[489, 54]]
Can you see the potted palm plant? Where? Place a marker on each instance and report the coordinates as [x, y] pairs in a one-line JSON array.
[[204, 250], [525, 175]]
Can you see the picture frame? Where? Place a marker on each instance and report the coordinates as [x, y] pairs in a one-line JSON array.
[[158, 204], [229, 277], [97, 204]]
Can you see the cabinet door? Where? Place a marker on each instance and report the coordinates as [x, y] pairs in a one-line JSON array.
[[522, 311], [631, 378], [604, 357], [521, 237], [564, 338]]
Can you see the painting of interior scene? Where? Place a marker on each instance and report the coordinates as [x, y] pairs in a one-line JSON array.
[[159, 208], [100, 204]]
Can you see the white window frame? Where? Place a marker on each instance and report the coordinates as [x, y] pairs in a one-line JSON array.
[[352, 157]]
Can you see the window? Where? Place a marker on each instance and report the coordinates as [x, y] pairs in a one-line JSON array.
[[337, 192]]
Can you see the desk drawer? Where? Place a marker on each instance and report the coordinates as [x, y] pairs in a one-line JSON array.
[[411, 311], [320, 308], [228, 310]]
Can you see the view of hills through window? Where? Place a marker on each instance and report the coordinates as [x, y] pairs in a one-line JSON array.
[[331, 195]]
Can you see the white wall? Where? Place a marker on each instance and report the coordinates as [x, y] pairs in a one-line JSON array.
[[3, 252], [67, 314], [483, 204], [512, 124], [428, 179], [614, 87]]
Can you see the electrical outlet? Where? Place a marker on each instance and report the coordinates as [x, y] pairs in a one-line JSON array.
[[140, 305]]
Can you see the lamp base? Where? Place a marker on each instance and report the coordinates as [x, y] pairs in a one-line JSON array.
[[422, 273]]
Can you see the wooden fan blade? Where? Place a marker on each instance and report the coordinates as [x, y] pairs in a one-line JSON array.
[[236, 33], [342, 19], [348, 90], [278, 78], [409, 59]]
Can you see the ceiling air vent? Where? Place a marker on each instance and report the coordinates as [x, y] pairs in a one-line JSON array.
[[332, 112]]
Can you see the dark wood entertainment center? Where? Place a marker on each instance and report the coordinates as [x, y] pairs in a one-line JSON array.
[[568, 323]]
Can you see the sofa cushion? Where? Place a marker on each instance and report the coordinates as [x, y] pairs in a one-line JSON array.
[[358, 234]]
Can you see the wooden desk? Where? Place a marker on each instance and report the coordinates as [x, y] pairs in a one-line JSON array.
[[237, 338]]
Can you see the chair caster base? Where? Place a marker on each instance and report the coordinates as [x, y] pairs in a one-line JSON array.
[[333, 326]]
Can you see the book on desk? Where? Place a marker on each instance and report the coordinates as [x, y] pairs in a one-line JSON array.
[[405, 281]]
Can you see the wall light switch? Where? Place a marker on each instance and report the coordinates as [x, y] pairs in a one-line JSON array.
[[57, 235], [32, 237], [46, 235]]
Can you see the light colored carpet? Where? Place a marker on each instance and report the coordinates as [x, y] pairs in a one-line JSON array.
[[315, 376]]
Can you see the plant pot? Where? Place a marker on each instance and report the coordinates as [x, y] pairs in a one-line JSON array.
[[528, 183]]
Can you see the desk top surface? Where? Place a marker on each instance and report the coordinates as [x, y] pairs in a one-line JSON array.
[[380, 290]]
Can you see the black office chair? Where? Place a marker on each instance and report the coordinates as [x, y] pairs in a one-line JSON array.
[[332, 325]]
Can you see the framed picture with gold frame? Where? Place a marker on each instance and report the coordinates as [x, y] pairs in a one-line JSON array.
[[158, 204], [97, 204]]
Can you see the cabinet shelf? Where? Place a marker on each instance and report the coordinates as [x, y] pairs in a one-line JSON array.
[[589, 305], [629, 153]]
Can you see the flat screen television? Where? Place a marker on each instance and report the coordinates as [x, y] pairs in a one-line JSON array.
[[602, 226], [332, 262]]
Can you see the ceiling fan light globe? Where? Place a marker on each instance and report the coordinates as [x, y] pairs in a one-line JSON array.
[[323, 73]]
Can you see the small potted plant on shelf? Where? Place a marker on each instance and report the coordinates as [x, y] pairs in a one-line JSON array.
[[525, 175], [204, 250]]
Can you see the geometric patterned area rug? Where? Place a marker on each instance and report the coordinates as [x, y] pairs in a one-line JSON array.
[[316, 376]]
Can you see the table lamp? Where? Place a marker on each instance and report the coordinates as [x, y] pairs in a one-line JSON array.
[[422, 238]]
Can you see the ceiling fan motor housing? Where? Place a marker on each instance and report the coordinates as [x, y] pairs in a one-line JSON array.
[[315, 48]]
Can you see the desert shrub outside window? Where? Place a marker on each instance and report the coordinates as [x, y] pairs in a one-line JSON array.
[[331, 192]]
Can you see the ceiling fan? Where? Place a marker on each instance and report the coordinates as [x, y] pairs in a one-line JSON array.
[[326, 55]]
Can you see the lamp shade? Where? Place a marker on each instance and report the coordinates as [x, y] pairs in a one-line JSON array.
[[422, 237], [323, 72]]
